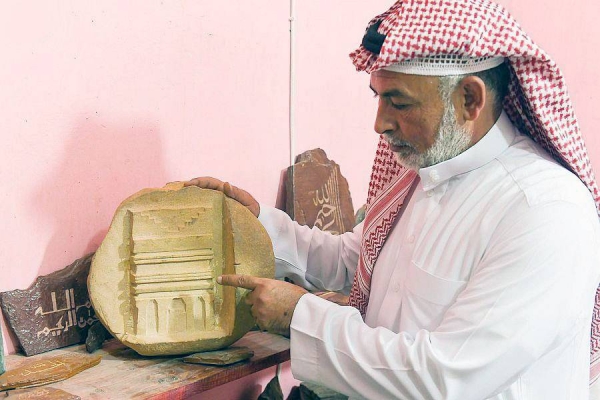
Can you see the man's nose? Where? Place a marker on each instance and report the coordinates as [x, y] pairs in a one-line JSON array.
[[384, 123]]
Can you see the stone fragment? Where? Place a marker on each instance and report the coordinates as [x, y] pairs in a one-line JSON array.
[[314, 391], [46, 393], [272, 391], [360, 215], [2, 367], [97, 334], [47, 370], [54, 312], [317, 194], [153, 279], [226, 356]]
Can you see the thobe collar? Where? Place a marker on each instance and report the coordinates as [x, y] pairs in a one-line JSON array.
[[490, 146]]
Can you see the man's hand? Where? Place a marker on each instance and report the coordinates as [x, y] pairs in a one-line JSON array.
[[229, 190], [273, 302]]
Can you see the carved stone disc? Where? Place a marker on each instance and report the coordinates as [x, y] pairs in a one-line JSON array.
[[153, 279]]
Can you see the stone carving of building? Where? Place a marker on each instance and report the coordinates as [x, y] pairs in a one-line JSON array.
[[160, 261]]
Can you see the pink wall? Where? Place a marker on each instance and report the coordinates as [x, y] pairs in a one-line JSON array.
[[101, 99]]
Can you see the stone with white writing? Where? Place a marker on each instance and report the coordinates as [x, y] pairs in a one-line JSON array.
[[46, 393], [317, 194], [54, 312], [226, 356], [41, 371]]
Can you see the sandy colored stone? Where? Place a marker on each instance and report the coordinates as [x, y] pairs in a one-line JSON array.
[[47, 370], [46, 393], [153, 279], [317, 194], [55, 311], [227, 356]]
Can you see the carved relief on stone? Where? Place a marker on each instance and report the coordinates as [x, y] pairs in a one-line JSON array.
[[317, 194], [153, 279]]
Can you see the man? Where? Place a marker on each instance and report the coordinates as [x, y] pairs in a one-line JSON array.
[[476, 268]]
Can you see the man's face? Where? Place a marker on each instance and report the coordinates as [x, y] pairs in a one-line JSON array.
[[420, 128]]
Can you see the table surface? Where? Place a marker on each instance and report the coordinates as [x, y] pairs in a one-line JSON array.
[[124, 374]]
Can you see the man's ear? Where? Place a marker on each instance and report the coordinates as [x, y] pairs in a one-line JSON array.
[[472, 97]]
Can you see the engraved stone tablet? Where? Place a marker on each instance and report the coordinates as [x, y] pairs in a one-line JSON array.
[[153, 279], [227, 356], [47, 370], [46, 393], [318, 195], [54, 312]]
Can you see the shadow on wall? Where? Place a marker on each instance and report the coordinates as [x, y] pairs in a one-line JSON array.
[[103, 163]]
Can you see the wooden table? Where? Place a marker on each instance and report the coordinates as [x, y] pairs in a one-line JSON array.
[[123, 374]]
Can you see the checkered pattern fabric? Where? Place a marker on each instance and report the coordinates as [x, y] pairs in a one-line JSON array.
[[537, 103]]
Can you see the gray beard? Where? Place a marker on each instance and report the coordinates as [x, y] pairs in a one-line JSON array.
[[452, 139]]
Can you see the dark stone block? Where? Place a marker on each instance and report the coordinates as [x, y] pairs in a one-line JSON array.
[[314, 391], [272, 391], [97, 334], [54, 312], [317, 194]]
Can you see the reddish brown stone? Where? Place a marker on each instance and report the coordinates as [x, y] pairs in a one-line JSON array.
[[46, 393], [54, 312], [47, 370], [317, 194]]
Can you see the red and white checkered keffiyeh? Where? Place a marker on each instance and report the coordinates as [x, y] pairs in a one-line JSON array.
[[537, 104]]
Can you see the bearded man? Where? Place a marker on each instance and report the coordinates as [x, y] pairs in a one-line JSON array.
[[474, 274]]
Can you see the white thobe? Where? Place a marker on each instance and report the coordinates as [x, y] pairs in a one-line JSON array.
[[484, 288]]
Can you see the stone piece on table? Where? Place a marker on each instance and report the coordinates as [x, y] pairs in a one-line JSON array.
[[47, 370], [317, 194], [153, 279], [97, 334], [46, 393], [227, 356], [314, 391], [54, 312]]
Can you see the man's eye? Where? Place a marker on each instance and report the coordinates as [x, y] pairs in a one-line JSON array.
[[399, 106]]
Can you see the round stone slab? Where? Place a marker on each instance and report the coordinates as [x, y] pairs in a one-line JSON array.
[[153, 280]]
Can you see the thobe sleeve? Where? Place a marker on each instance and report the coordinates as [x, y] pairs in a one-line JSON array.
[[310, 257], [535, 282]]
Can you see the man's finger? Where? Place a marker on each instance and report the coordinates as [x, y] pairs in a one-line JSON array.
[[205, 182], [243, 281]]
